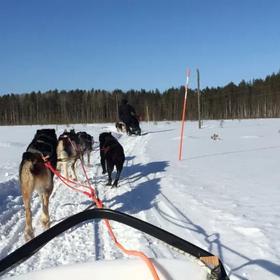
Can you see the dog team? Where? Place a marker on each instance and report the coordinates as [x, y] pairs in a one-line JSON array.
[[61, 153]]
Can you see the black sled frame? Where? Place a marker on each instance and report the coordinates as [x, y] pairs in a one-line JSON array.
[[30, 248]]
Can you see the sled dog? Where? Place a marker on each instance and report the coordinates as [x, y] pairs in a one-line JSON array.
[[34, 175], [68, 152], [121, 127], [111, 155], [86, 145]]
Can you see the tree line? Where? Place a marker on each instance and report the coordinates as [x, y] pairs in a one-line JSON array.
[[259, 98]]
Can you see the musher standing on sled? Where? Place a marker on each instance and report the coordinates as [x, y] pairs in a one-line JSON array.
[[127, 115]]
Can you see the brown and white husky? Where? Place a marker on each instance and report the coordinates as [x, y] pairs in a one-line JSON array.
[[34, 175], [68, 152]]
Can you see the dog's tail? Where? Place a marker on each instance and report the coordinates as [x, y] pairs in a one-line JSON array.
[[34, 162]]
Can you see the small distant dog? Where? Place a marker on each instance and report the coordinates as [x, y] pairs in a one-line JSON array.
[[215, 137], [68, 152], [34, 175], [86, 145], [121, 127], [111, 154]]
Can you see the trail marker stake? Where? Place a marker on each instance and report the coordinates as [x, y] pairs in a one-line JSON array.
[[184, 114]]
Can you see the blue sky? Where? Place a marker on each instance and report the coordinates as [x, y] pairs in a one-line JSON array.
[[125, 44]]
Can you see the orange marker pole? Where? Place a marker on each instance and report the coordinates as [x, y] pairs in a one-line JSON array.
[[184, 114]]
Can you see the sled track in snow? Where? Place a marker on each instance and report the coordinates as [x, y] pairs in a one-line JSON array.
[[96, 181], [106, 194], [158, 251], [13, 230], [163, 211], [134, 149], [128, 237]]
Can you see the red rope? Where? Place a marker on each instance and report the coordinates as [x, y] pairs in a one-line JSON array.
[[66, 181]]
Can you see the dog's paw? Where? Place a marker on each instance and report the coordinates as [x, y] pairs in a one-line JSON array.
[[28, 234], [109, 184], [104, 172]]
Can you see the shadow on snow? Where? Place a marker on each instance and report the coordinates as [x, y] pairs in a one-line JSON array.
[[142, 194], [214, 241]]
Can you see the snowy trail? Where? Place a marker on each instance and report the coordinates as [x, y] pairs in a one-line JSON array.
[[220, 197], [119, 199], [91, 240]]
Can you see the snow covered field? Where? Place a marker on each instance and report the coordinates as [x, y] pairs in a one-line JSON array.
[[224, 196]]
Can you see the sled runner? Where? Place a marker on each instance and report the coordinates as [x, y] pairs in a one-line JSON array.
[[202, 264]]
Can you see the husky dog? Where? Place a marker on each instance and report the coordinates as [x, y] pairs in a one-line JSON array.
[[68, 152], [121, 127], [111, 154], [215, 137], [86, 145], [34, 175]]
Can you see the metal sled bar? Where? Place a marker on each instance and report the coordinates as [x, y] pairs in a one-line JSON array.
[[31, 247]]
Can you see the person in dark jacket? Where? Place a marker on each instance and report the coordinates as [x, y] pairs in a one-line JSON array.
[[128, 115]]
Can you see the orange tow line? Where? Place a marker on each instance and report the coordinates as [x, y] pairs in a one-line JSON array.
[[92, 195]]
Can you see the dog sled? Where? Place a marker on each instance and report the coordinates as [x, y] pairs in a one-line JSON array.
[[199, 264], [134, 126]]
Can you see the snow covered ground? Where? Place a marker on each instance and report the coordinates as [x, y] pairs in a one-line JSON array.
[[224, 196]]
